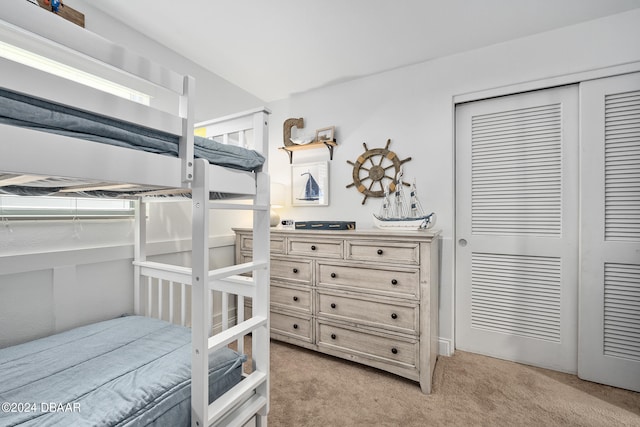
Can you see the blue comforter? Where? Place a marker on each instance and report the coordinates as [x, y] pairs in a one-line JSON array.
[[129, 371]]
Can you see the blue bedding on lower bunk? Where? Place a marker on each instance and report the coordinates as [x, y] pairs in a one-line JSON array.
[[129, 371], [20, 110]]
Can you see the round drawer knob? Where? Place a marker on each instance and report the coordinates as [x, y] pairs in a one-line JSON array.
[[295, 326], [394, 350], [295, 298], [333, 305], [394, 316], [333, 275], [295, 270], [313, 247], [333, 336], [394, 282], [380, 251]]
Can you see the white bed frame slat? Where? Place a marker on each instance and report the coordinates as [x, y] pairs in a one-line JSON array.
[[219, 408], [160, 297], [232, 181], [171, 307], [225, 311], [164, 271], [149, 296], [226, 337], [139, 251], [228, 124], [233, 270], [183, 304], [238, 285]]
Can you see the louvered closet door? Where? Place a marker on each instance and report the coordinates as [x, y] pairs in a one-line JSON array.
[[609, 349], [516, 226]]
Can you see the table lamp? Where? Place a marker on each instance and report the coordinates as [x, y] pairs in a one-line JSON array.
[[277, 202]]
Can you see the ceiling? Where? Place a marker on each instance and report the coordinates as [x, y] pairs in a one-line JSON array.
[[276, 48]]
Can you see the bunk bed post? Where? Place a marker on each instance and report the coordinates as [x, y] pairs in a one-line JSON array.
[[200, 296], [140, 252], [185, 150], [261, 136], [261, 253]]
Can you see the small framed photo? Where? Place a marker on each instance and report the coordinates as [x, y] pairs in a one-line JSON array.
[[325, 134], [310, 184]]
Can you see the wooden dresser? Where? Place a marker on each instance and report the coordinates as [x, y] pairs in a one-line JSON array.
[[369, 296]]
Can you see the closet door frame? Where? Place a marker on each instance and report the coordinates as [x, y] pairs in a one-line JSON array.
[[546, 83]]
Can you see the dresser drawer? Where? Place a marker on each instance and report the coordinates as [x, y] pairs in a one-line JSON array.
[[299, 327], [291, 270], [384, 314], [316, 247], [387, 349], [391, 281], [291, 297], [276, 243], [381, 251]]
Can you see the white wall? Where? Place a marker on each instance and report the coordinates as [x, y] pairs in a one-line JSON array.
[[215, 97], [413, 106]]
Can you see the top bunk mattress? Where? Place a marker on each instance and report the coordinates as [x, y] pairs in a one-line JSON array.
[[24, 111], [129, 371]]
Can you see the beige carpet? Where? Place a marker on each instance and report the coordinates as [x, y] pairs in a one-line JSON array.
[[310, 389]]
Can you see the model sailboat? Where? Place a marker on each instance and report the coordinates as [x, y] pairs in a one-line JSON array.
[[397, 213]]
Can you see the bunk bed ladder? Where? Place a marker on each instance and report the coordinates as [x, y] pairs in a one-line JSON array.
[[250, 397]]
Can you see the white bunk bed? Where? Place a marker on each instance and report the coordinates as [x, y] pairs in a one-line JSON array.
[[27, 155]]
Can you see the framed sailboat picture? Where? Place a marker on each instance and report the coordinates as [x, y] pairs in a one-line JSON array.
[[310, 184]]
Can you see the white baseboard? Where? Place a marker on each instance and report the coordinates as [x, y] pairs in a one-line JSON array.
[[445, 347]]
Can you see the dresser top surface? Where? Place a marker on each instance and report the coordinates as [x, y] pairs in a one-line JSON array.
[[358, 233]]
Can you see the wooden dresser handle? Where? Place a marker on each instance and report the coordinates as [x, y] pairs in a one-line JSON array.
[[380, 251], [394, 350], [333, 336], [333, 305], [295, 298], [295, 326], [295, 270], [313, 247], [394, 316], [394, 282], [333, 275]]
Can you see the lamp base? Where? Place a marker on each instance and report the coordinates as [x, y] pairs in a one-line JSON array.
[[274, 219]]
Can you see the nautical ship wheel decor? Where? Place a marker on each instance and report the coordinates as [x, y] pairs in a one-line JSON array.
[[374, 170]]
